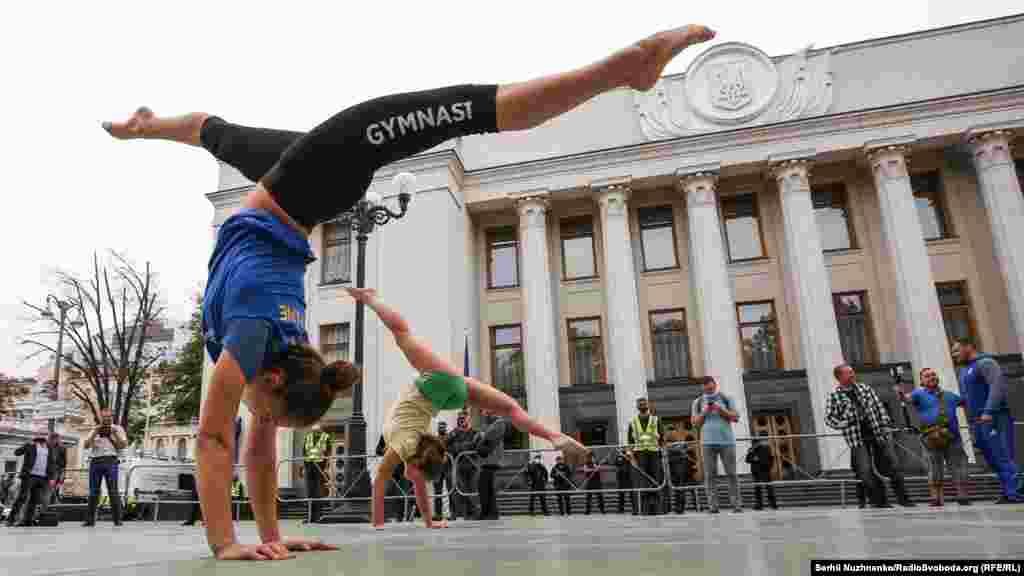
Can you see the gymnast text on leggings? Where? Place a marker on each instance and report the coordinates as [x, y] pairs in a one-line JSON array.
[[397, 126]]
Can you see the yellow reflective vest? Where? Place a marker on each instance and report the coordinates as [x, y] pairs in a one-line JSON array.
[[645, 438], [317, 446]]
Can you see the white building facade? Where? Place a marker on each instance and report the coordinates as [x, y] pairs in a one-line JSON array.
[[759, 219]]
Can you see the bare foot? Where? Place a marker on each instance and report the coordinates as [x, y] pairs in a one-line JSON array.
[[648, 57], [145, 124]]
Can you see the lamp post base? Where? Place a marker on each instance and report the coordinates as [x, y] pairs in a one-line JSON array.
[[357, 478]]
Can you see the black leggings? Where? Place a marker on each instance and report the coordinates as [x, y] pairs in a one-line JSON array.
[[320, 174]]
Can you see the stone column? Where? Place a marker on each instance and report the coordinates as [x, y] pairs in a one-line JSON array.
[[1000, 188], [819, 334], [541, 343], [915, 286], [713, 295], [627, 370]]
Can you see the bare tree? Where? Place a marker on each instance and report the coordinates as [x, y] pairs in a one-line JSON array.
[[115, 310]]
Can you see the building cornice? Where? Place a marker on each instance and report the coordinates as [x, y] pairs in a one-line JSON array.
[[843, 131]]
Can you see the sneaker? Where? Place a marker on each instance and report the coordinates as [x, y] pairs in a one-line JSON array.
[[713, 511], [964, 501], [737, 510]]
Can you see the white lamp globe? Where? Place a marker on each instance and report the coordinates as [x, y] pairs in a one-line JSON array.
[[405, 182]]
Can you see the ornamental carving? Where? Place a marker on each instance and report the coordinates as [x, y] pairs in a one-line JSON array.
[[734, 85], [532, 211], [793, 175], [889, 163], [614, 200], [700, 189], [992, 149]]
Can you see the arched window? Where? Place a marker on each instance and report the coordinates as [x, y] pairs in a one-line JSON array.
[[182, 449], [160, 448]]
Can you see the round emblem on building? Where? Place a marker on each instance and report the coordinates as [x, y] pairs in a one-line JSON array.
[[731, 83]]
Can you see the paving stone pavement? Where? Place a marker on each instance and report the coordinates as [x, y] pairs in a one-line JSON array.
[[765, 542]]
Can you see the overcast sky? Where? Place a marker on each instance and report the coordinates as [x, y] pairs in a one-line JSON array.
[[71, 190]]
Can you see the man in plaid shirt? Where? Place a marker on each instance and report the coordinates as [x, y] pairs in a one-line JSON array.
[[857, 411]]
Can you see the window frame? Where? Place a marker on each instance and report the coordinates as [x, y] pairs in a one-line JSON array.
[[757, 217], [325, 243], [968, 305], [489, 236], [562, 237], [839, 187], [643, 245], [869, 327], [686, 336], [514, 438], [324, 350], [939, 197], [740, 325], [572, 357]]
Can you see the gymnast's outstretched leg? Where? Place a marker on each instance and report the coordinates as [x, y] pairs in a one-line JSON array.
[[324, 172], [252, 151]]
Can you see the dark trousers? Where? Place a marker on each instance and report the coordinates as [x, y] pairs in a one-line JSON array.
[[762, 476], [677, 472], [439, 496], [625, 486], [590, 495], [878, 451], [648, 463], [104, 470], [31, 494], [564, 503], [314, 486], [542, 496], [488, 498], [464, 505]]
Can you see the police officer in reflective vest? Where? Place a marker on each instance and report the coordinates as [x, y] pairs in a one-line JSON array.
[[316, 451], [645, 436], [237, 496]]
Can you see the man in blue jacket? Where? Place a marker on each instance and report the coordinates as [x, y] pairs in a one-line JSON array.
[[984, 385]]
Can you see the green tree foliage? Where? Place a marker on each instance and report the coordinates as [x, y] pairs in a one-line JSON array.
[[181, 381]]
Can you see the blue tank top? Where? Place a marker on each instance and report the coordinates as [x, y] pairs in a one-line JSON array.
[[256, 272]]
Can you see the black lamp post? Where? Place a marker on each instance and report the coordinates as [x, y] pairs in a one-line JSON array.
[[366, 215]]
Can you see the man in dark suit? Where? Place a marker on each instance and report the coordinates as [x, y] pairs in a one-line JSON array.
[[37, 468], [60, 464]]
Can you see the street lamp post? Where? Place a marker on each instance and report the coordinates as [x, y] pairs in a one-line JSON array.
[[64, 306], [364, 217]]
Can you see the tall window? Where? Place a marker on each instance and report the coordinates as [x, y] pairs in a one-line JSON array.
[[956, 309], [586, 354], [578, 257], [853, 322], [759, 336], [833, 217], [671, 346], [502, 258], [1020, 172], [657, 238], [161, 448], [742, 227], [337, 260], [334, 342], [931, 210], [507, 360], [509, 374], [182, 449]]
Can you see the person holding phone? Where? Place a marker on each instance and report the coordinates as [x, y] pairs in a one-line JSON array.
[[106, 441]]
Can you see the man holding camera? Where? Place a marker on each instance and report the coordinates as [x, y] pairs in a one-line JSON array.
[[857, 411], [105, 440], [463, 439]]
